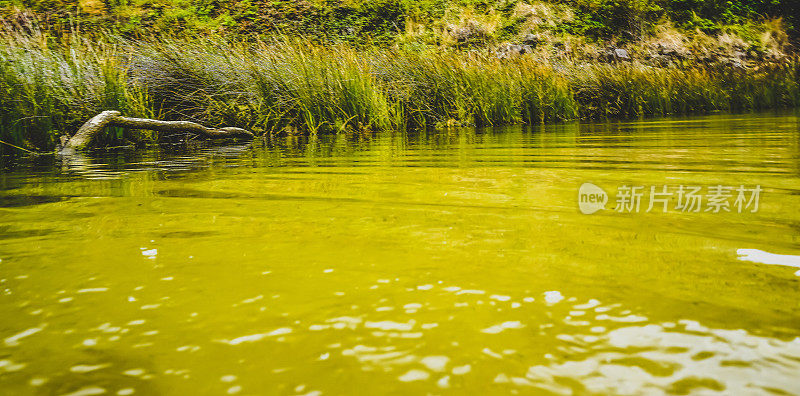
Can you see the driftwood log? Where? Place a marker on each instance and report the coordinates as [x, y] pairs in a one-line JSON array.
[[112, 118]]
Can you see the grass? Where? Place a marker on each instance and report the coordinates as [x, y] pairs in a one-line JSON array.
[[635, 90], [48, 88]]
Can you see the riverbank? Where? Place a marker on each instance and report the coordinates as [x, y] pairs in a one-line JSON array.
[[292, 86]]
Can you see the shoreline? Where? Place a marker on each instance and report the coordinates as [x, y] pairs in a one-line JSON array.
[[291, 86], [188, 144]]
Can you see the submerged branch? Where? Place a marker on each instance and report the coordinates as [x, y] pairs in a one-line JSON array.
[[112, 118]]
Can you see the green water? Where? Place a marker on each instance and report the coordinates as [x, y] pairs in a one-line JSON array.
[[422, 263]]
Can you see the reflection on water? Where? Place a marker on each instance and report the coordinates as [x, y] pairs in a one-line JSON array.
[[430, 262], [760, 256]]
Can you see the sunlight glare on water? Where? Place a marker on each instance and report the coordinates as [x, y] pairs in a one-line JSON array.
[[451, 261]]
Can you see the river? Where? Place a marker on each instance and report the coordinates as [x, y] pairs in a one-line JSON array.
[[455, 261]]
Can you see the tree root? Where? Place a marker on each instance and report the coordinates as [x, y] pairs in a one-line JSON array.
[[111, 118]]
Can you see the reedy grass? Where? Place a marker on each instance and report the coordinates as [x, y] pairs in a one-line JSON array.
[[636, 90], [292, 86], [266, 87], [49, 88], [456, 89]]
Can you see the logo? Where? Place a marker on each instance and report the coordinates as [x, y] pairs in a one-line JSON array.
[[684, 198], [591, 198]]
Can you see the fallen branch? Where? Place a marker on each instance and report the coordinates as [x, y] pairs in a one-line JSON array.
[[112, 118]]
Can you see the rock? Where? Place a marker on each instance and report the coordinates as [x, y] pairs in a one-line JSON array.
[[675, 51], [621, 54], [470, 32], [612, 54], [661, 60], [532, 39], [507, 50]]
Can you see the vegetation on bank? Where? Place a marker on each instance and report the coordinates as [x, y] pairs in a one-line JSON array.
[[655, 31], [50, 87], [410, 21], [306, 66]]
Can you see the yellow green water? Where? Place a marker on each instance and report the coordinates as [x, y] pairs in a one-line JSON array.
[[428, 263]]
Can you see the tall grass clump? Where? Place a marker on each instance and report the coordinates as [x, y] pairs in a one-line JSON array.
[[545, 93], [267, 87], [634, 90], [455, 89], [769, 87], [50, 87]]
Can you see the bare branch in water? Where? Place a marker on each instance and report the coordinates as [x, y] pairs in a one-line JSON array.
[[112, 118]]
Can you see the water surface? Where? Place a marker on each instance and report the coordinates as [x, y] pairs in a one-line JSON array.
[[439, 262]]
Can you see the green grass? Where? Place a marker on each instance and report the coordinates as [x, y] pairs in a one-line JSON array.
[[385, 21], [636, 90], [49, 88]]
